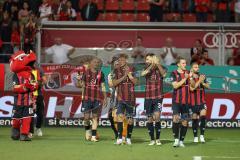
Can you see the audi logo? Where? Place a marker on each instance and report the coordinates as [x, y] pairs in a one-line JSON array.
[[212, 40]]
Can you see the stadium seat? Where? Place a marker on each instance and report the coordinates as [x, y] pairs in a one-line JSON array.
[[112, 5], [99, 4], [210, 17], [142, 17], [100, 17], [189, 17], [142, 5], [111, 17], [79, 17], [172, 17], [127, 17], [128, 5]]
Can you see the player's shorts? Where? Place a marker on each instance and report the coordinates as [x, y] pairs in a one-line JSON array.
[[197, 109], [19, 112], [91, 106], [126, 108], [181, 109], [152, 105]]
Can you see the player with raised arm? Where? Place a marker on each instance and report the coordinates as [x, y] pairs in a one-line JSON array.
[[180, 101], [198, 102], [154, 74], [125, 81]]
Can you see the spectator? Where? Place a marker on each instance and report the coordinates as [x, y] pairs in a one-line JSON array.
[[14, 14], [222, 11], [75, 5], [169, 53], [61, 53], [23, 16], [71, 11], [179, 4], [236, 54], [237, 11], [139, 51], [29, 33], [6, 32], [156, 10], [191, 6], [45, 11], [15, 37], [205, 60], [7, 6], [67, 13], [90, 11], [202, 8], [230, 61], [35, 4], [197, 51]]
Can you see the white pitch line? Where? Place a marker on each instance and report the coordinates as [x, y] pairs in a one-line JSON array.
[[214, 157]]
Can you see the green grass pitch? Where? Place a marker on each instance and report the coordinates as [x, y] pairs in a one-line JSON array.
[[69, 144]]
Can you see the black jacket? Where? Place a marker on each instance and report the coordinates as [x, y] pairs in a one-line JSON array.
[[93, 12]]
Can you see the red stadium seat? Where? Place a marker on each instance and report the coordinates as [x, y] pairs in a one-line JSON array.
[[172, 17], [112, 5], [142, 5], [100, 17], [79, 17], [128, 5], [99, 4], [111, 17], [127, 17], [143, 17], [189, 17], [210, 17]]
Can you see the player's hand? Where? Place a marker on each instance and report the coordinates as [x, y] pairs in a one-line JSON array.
[[186, 75], [105, 102], [202, 78]]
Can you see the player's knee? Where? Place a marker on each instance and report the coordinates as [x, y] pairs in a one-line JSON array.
[[150, 119], [120, 118]]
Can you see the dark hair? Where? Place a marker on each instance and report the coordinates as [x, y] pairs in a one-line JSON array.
[[179, 59], [230, 59], [123, 55], [194, 63], [149, 54], [199, 40], [139, 37]]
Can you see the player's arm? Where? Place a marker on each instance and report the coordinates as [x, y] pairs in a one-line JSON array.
[[146, 71], [204, 82], [177, 84], [116, 82], [104, 94], [132, 78], [161, 70]]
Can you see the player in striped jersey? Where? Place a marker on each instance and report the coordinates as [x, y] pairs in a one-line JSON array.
[[180, 102], [198, 102], [154, 74], [125, 81], [93, 96]]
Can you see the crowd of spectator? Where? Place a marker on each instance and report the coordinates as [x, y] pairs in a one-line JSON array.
[[19, 20]]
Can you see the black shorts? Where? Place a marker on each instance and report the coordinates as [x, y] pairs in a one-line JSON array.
[[22, 112], [197, 109], [91, 106], [126, 108], [152, 105], [181, 109]]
